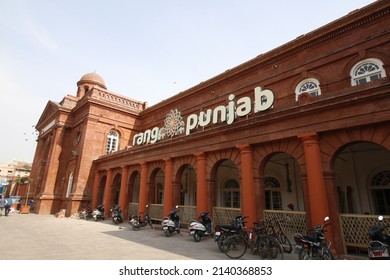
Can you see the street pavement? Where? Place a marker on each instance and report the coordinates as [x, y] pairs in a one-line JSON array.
[[45, 237]]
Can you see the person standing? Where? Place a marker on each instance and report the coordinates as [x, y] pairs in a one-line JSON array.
[[3, 202]]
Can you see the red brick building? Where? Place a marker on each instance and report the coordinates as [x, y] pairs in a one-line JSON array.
[[305, 124]]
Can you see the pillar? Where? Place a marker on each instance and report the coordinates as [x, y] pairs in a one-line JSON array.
[[95, 190], [318, 202], [248, 203], [123, 197], [168, 186], [201, 184], [143, 191], [107, 194]]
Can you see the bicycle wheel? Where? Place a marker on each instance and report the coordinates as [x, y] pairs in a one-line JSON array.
[[269, 248], [234, 246], [286, 244]]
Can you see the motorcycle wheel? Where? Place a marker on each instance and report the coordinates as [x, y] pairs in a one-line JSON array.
[[220, 242], [197, 236], [135, 226], [304, 254], [235, 247], [167, 233], [327, 255]]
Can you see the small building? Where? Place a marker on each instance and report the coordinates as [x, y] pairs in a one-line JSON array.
[[306, 124]]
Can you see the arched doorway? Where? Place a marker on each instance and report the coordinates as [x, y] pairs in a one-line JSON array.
[[187, 179], [282, 183], [362, 174], [227, 184], [115, 190]]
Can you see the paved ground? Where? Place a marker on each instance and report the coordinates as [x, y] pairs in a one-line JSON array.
[[45, 237]]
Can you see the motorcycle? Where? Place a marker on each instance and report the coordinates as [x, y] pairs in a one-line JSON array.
[[116, 215], [379, 246], [98, 213], [86, 213], [202, 227], [313, 246], [136, 222], [171, 223], [224, 231]]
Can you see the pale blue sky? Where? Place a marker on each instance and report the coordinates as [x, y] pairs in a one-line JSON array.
[[146, 50]]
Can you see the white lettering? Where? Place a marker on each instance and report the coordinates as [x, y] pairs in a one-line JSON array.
[[264, 99]]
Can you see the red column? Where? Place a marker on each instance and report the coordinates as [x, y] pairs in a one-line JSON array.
[[95, 190], [123, 197], [315, 179], [168, 186], [107, 194], [248, 203], [143, 192], [201, 187]]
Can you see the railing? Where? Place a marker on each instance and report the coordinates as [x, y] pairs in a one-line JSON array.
[[225, 216], [290, 221], [186, 213], [354, 228]]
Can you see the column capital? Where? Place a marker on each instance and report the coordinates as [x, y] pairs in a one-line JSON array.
[[244, 147], [311, 137], [168, 160], [200, 155]]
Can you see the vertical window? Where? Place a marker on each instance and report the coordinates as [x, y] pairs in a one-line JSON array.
[[231, 194], [112, 142], [380, 192], [310, 86], [70, 184], [366, 71], [273, 196]]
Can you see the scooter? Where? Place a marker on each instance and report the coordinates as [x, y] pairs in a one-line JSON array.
[[379, 246], [116, 215], [171, 223], [201, 227], [313, 246], [98, 213], [136, 222]]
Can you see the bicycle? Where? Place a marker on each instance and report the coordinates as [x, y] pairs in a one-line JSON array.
[[274, 228], [259, 242]]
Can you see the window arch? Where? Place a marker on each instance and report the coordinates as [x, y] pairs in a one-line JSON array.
[[310, 86], [112, 142], [231, 194], [366, 71]]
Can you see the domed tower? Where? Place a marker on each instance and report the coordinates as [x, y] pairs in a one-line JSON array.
[[87, 82]]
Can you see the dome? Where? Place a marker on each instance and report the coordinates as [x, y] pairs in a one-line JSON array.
[[92, 78]]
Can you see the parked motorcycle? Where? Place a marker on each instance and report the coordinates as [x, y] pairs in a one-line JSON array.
[[171, 223], [86, 213], [116, 215], [314, 245], [224, 231], [379, 246], [98, 213], [136, 222], [201, 227]]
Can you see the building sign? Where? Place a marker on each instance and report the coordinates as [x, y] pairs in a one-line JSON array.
[[174, 123]]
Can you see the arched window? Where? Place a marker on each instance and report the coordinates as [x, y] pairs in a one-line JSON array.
[[366, 71], [112, 142], [380, 192], [70, 184], [231, 194], [310, 86], [273, 196]]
